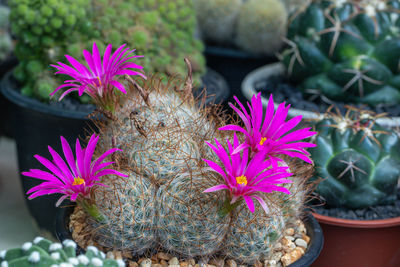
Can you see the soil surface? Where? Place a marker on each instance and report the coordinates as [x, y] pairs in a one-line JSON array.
[[283, 90], [370, 213]]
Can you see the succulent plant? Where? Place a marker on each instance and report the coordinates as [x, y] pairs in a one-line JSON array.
[[217, 19], [261, 25], [257, 26], [358, 160], [44, 253], [341, 49], [5, 38], [46, 30]]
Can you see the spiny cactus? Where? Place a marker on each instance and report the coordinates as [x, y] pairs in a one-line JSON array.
[[44, 253], [217, 19], [358, 161], [341, 49], [5, 38], [46, 30], [261, 26]]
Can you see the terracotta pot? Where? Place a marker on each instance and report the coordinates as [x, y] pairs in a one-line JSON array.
[[354, 243]]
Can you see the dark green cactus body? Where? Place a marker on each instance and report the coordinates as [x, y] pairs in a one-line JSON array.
[[347, 51], [359, 164]]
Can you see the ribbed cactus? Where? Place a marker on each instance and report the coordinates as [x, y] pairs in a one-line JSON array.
[[47, 30], [261, 26], [358, 161], [5, 38], [347, 50], [162, 133], [217, 19], [44, 253]]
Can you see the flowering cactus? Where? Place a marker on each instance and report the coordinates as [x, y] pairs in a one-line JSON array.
[[184, 194]]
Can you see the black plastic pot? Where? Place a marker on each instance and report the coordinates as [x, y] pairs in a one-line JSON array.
[[35, 126], [313, 230], [5, 126], [234, 64]]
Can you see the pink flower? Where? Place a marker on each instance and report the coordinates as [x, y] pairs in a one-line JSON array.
[[73, 178], [244, 178], [100, 79], [271, 136]]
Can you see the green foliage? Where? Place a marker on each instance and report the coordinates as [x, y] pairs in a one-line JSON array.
[[358, 161], [43, 253], [5, 38], [347, 50], [162, 31]]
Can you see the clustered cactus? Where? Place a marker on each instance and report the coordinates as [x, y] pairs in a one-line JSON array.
[[347, 51], [46, 30], [5, 38], [170, 188], [257, 26], [358, 160], [44, 253], [162, 203]]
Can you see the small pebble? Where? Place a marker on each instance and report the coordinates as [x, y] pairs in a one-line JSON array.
[[301, 243], [133, 264], [173, 261], [305, 238], [231, 263], [289, 231], [146, 263], [288, 237], [164, 256], [184, 264], [218, 262], [258, 264]]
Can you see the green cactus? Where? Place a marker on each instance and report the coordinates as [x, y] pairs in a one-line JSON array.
[[347, 50], [5, 38], [162, 134], [358, 161], [261, 26], [217, 19], [161, 30], [43, 253]]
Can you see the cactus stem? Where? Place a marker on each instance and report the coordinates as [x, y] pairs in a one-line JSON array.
[[138, 125], [350, 166], [228, 207], [92, 210], [188, 81]]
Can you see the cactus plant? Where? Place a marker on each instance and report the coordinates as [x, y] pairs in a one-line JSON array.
[[46, 30], [44, 253], [256, 26], [217, 19], [340, 49], [5, 38], [261, 26], [358, 161], [164, 194]]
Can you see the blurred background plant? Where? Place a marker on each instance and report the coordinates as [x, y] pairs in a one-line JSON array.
[[5, 37], [162, 30]]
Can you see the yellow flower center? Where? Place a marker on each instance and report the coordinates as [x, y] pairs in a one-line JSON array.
[[78, 181], [241, 180], [99, 80], [263, 140]]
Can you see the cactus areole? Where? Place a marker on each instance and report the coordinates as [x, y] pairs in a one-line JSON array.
[[357, 160], [182, 180], [346, 50]]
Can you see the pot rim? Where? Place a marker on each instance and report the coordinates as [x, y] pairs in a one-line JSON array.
[[382, 223], [268, 70], [9, 92], [233, 52]]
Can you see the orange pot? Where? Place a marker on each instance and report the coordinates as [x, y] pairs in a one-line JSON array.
[[353, 243]]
